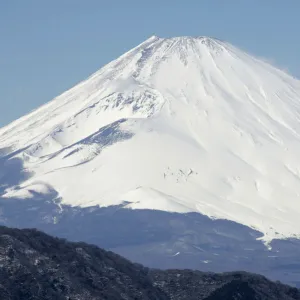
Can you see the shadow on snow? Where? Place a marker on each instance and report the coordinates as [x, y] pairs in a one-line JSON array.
[[155, 238]]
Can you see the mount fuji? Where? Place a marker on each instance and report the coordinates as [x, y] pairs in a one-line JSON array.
[[178, 125]]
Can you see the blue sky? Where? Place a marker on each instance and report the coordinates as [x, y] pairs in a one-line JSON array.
[[48, 46]]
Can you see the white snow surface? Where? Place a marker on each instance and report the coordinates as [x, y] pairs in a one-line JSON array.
[[179, 124]]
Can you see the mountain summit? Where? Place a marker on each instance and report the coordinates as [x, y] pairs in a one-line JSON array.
[[180, 124]]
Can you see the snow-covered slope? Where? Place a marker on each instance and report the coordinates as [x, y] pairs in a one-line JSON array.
[[182, 125]]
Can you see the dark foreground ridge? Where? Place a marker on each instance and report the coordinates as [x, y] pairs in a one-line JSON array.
[[34, 265]]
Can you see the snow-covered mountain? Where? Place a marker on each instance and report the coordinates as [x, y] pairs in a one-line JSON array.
[[181, 125]]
